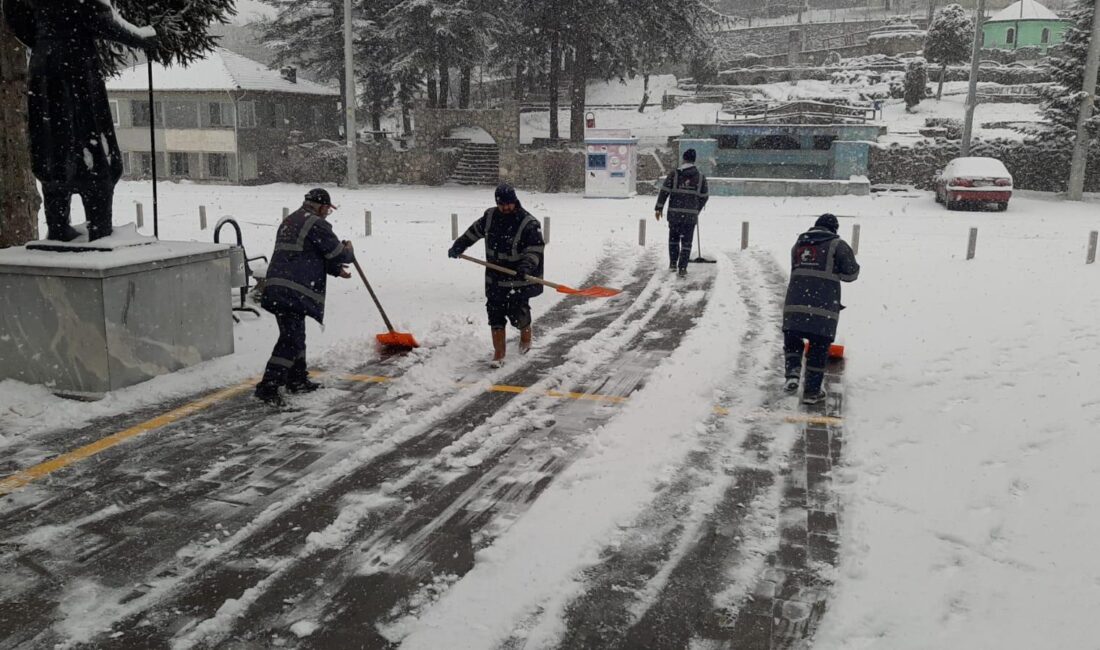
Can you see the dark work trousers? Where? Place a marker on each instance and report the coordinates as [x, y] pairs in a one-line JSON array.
[[97, 196], [681, 233], [516, 310], [816, 358], [287, 364]]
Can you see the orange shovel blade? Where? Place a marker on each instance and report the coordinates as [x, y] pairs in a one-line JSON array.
[[835, 351], [398, 340], [590, 292]]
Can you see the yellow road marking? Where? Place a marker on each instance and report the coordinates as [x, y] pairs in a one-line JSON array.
[[23, 478], [20, 479]]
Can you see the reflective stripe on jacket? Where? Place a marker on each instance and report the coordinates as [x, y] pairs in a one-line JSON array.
[[820, 261], [685, 189], [306, 253], [513, 241]]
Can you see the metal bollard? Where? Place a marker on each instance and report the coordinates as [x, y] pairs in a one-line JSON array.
[[366, 223], [202, 217], [454, 226], [286, 212], [855, 238], [744, 235], [140, 216], [546, 230], [641, 232], [1092, 248], [972, 246]]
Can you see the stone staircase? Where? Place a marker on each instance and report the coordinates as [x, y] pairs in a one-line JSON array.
[[479, 165]]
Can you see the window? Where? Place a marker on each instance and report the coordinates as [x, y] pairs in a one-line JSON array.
[[1010, 36], [140, 112], [274, 116], [248, 166], [181, 115], [144, 164], [220, 114], [824, 142], [114, 111], [246, 114], [318, 117], [1044, 38], [177, 164], [217, 165]]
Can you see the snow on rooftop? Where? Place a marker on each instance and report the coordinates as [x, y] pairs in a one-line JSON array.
[[220, 70], [1023, 10]]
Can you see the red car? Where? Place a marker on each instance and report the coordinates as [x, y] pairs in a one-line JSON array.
[[974, 182]]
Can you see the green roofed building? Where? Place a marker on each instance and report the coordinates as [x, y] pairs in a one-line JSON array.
[[1024, 23]]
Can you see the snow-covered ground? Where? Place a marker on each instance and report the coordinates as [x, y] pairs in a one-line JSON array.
[[972, 476]]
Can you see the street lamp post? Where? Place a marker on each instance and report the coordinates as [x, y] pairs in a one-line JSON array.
[[1081, 142], [349, 101], [972, 92]]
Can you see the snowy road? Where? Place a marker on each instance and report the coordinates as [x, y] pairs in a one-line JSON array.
[[242, 527]]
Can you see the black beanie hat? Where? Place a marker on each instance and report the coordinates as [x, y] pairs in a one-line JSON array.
[[689, 155], [828, 222], [506, 194]]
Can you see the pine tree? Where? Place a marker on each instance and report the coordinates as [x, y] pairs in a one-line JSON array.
[[1061, 100], [308, 33], [916, 82], [949, 41]]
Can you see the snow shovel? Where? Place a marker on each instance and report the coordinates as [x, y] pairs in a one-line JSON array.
[[392, 338], [701, 259], [589, 292]]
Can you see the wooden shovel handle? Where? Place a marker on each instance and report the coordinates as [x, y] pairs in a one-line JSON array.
[[507, 271], [377, 303]]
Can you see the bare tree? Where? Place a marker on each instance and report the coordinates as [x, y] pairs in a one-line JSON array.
[[19, 200]]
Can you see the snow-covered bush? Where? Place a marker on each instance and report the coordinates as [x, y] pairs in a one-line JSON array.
[[916, 83], [950, 39]]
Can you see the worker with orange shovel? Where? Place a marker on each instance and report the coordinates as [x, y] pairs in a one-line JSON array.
[[514, 249], [306, 252]]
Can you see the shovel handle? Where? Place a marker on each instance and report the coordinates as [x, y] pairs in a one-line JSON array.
[[377, 304], [507, 271]]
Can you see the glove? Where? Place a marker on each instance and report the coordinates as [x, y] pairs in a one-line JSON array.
[[521, 275], [453, 253]]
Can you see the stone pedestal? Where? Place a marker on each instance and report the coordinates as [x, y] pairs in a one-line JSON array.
[[83, 324]]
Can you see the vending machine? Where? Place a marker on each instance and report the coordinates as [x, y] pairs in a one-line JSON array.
[[611, 163]]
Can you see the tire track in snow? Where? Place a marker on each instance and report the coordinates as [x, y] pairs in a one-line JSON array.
[[365, 589], [403, 434], [654, 588], [229, 468]]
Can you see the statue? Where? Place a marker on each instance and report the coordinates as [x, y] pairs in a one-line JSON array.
[[72, 135]]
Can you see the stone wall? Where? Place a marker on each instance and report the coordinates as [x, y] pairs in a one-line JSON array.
[[766, 41], [435, 124], [1034, 166], [379, 163]]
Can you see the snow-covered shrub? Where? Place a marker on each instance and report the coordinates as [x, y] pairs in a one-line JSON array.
[[950, 39], [916, 83]]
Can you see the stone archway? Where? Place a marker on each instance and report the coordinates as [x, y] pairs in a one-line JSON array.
[[502, 125]]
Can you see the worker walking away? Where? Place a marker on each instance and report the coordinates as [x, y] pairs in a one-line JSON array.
[[685, 189], [513, 239], [306, 253], [820, 261]]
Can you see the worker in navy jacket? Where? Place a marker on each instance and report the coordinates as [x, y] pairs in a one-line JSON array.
[[685, 189], [306, 253], [820, 261], [513, 239]]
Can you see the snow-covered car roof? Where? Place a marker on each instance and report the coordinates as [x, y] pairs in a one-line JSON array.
[[978, 167]]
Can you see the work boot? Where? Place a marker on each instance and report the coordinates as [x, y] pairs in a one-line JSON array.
[[814, 398], [525, 336], [682, 273], [498, 348], [303, 386], [672, 267], [269, 393], [791, 385]]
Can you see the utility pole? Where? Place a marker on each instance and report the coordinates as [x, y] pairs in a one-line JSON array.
[[972, 93], [1081, 142], [349, 101]]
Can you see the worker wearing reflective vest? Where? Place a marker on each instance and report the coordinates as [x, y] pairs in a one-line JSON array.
[[513, 239], [820, 261], [306, 253], [685, 189]]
